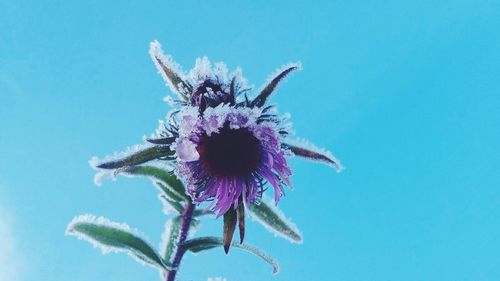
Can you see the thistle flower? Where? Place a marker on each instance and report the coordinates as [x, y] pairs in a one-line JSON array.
[[226, 147]]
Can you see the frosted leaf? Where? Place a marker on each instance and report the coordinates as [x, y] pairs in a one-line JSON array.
[[168, 243], [206, 243], [88, 218], [304, 148], [170, 70], [274, 220], [110, 236], [170, 205], [168, 208], [95, 161], [273, 81]]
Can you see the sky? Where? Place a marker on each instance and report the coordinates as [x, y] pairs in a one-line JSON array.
[[405, 93]]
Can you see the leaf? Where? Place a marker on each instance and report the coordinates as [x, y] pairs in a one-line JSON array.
[[229, 227], [164, 140], [261, 98], [315, 154], [170, 71], [169, 183], [139, 157], [169, 202], [241, 220], [275, 221], [111, 236], [170, 237], [206, 243]]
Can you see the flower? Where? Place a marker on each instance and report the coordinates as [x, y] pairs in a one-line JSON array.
[[226, 147], [229, 153]]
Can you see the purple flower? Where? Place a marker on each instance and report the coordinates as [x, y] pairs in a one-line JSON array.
[[226, 147], [230, 153]]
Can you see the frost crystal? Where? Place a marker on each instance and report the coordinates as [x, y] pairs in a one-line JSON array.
[[308, 145], [161, 60], [282, 217]]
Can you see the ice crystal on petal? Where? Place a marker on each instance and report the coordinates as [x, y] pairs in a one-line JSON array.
[[186, 150], [188, 120]]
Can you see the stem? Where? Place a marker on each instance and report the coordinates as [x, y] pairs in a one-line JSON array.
[[187, 217]]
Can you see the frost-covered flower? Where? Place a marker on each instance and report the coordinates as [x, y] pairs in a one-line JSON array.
[[226, 147], [230, 153]]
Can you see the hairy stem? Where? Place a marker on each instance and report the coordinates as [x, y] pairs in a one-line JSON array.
[[187, 217]]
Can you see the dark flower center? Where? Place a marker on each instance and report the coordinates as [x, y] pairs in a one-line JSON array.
[[230, 153]]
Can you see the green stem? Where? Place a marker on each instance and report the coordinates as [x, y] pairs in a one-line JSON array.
[[187, 217]]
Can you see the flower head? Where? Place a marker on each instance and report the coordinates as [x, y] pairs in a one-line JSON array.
[[229, 154], [225, 147]]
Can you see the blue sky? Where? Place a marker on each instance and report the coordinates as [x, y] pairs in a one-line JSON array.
[[405, 93]]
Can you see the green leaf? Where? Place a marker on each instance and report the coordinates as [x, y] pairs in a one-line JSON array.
[[170, 184], [167, 201], [111, 236], [275, 221], [139, 157], [206, 243], [170, 237]]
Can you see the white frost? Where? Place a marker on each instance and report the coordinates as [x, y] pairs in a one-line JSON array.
[[101, 175], [186, 150], [271, 204], [156, 52], [88, 218], [278, 71], [308, 145]]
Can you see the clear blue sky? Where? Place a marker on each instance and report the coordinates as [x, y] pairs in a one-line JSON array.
[[405, 93]]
